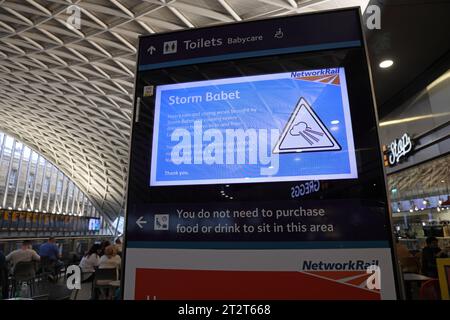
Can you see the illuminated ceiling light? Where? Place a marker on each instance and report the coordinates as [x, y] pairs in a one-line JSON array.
[[440, 202], [227, 185], [334, 121], [231, 198], [29, 210], [441, 79], [411, 210], [438, 209], [398, 209], [20, 209], [386, 64], [424, 224], [443, 181], [412, 119]]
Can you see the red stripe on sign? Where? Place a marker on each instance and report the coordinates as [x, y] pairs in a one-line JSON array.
[[163, 284]]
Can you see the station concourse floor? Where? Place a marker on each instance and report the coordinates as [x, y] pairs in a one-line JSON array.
[[85, 292], [60, 293]]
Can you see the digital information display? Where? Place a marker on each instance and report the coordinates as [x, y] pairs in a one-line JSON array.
[[254, 129], [255, 165], [94, 224]]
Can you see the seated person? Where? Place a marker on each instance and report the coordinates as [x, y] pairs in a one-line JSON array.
[[402, 250], [110, 259], [118, 246], [50, 251], [90, 261], [429, 255], [24, 254], [407, 261], [103, 246]]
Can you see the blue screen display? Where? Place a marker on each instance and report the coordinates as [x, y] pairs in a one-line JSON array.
[[94, 224], [277, 127]]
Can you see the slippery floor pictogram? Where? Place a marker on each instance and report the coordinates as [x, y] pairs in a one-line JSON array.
[[305, 132]]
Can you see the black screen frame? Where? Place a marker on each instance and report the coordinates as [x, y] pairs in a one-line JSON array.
[[138, 116]]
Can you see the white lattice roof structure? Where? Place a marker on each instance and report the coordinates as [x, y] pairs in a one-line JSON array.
[[68, 92]]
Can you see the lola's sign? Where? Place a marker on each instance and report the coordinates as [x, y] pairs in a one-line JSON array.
[[397, 150]]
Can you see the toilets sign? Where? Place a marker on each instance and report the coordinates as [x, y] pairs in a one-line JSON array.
[[273, 127]]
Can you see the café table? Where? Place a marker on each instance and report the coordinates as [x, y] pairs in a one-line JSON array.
[[415, 277]]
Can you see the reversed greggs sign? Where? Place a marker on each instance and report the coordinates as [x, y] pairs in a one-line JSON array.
[[397, 150]]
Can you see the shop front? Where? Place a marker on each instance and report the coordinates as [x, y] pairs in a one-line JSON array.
[[416, 148]]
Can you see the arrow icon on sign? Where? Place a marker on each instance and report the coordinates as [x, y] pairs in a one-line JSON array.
[[140, 222], [151, 49]]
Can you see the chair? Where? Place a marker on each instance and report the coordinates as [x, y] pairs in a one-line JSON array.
[[102, 279], [430, 290], [51, 267], [24, 272], [47, 266]]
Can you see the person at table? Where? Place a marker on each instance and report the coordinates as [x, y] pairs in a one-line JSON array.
[[50, 251], [24, 254], [90, 261], [429, 255], [103, 246], [402, 249], [118, 245], [110, 259]]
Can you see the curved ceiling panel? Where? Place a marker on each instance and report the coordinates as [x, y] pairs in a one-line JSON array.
[[67, 92]]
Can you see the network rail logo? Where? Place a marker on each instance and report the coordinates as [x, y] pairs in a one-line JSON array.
[[327, 76], [357, 273]]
